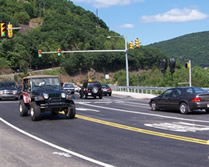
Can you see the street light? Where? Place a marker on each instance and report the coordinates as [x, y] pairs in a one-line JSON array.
[[126, 54]]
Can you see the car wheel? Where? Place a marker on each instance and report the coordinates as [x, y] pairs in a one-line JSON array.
[[207, 110], [184, 108], [35, 111], [110, 94], [23, 109], [95, 97], [105, 94], [70, 111], [154, 106], [100, 96]]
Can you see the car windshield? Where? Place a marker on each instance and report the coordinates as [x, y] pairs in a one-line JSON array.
[[45, 83], [7, 85], [68, 86]]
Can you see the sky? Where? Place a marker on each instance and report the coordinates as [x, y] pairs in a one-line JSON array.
[[151, 20]]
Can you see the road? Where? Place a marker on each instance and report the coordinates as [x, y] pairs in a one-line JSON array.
[[113, 131]]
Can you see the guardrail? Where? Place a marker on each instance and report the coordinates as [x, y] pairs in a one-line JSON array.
[[142, 89]]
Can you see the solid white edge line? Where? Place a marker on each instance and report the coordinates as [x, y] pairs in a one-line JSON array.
[[55, 146], [149, 114]]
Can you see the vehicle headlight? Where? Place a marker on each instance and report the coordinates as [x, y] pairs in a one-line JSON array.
[[63, 95], [1, 92], [14, 92], [46, 96]]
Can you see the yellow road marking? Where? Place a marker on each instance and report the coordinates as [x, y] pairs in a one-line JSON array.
[[149, 132]]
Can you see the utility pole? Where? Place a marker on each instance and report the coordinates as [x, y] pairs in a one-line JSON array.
[[190, 73]]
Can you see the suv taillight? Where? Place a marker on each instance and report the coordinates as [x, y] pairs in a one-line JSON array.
[[196, 99]]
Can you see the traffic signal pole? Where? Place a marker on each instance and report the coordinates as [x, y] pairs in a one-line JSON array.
[[99, 51], [127, 72], [190, 73]]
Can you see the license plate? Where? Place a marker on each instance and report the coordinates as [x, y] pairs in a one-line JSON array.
[[89, 93], [207, 105]]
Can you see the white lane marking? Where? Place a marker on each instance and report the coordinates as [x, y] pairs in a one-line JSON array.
[[179, 126], [56, 146], [6, 102], [149, 114], [86, 109], [62, 154], [123, 102], [103, 102]]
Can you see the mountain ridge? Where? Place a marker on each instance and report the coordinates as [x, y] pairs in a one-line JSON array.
[[192, 47]]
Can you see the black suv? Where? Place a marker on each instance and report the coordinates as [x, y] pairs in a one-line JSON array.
[[91, 88], [42, 93]]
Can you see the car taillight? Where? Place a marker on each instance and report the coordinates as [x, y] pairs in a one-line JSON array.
[[86, 89], [109, 89], [196, 99], [102, 89]]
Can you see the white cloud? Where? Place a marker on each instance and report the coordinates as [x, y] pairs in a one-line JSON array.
[[107, 3], [127, 26], [176, 15]]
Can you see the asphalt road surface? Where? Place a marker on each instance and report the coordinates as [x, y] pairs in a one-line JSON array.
[[113, 131]]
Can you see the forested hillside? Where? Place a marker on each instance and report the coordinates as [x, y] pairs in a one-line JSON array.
[[52, 24], [194, 47]]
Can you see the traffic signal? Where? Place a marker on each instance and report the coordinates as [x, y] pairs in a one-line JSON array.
[[163, 65], [9, 31], [172, 65], [187, 65], [59, 52], [131, 46], [137, 42], [3, 30], [39, 53]]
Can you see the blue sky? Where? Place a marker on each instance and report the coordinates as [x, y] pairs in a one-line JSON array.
[[151, 20]]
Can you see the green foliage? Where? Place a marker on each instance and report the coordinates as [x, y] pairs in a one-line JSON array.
[[192, 47], [154, 78], [3, 63], [61, 24]]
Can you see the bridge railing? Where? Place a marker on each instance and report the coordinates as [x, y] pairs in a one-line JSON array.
[[142, 89]]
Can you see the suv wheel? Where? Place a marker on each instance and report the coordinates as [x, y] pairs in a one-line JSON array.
[[35, 111], [100, 96], [86, 95], [70, 111], [23, 108], [81, 95]]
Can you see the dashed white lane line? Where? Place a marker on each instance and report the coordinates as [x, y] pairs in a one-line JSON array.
[[178, 126], [142, 113], [86, 109], [56, 146]]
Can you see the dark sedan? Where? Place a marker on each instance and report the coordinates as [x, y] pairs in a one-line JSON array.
[[106, 90], [183, 99], [8, 90]]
